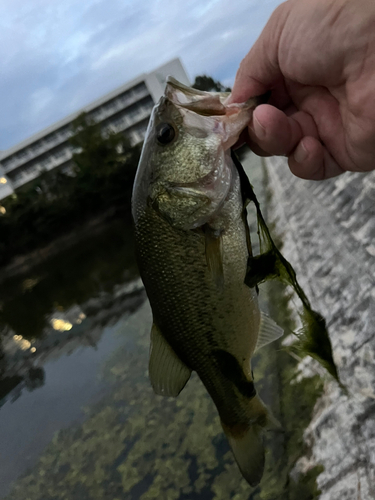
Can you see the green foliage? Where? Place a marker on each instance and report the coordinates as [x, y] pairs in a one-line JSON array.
[[208, 84], [97, 156], [101, 177]]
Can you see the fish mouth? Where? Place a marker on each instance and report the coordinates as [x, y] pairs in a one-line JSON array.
[[198, 101], [208, 103], [209, 112], [190, 90]]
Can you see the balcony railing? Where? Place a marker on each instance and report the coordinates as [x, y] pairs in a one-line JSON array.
[[43, 145], [32, 151], [34, 171], [143, 113], [26, 176], [118, 104]]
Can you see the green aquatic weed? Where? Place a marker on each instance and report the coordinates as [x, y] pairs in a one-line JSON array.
[[313, 338]]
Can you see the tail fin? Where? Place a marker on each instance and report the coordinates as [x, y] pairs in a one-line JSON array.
[[247, 443], [248, 450]]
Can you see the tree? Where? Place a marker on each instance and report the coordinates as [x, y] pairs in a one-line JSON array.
[[104, 164], [96, 152], [207, 83]]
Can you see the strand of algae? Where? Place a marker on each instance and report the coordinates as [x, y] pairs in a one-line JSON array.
[[313, 338]]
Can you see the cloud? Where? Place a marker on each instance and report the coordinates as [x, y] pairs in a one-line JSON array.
[[58, 56], [40, 100]]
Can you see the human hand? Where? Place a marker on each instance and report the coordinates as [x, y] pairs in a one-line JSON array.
[[318, 58]]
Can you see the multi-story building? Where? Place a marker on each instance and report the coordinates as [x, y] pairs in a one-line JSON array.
[[126, 109]]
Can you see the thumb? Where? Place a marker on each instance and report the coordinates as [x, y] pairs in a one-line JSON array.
[[259, 71]]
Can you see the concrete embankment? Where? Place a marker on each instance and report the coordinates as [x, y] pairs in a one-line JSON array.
[[328, 231]]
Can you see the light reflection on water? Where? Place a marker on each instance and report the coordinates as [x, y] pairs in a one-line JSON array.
[[28, 424], [56, 331], [79, 419]]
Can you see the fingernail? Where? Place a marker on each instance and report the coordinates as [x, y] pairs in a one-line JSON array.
[[301, 153], [259, 130]]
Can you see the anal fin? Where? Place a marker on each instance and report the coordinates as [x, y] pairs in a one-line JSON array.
[[269, 331], [168, 374]]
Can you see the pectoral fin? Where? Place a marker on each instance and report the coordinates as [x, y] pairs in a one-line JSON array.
[[268, 331], [214, 255], [168, 374]]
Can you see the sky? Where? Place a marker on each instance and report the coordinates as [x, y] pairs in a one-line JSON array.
[[56, 57]]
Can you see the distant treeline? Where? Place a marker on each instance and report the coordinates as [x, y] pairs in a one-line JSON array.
[[101, 177]]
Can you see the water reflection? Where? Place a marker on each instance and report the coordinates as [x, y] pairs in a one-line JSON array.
[[42, 312], [64, 367], [28, 421], [70, 278]]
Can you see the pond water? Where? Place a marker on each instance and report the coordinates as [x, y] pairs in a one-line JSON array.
[[78, 418]]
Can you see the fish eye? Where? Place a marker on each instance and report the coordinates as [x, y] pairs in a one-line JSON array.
[[165, 133]]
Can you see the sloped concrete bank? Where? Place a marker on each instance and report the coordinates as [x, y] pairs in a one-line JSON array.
[[328, 231]]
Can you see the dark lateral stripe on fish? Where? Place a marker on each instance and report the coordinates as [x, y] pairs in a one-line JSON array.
[[231, 369]]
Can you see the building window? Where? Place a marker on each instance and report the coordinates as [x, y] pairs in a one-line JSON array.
[[21, 155]]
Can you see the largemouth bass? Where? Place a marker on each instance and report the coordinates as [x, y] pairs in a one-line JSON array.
[[193, 246]]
